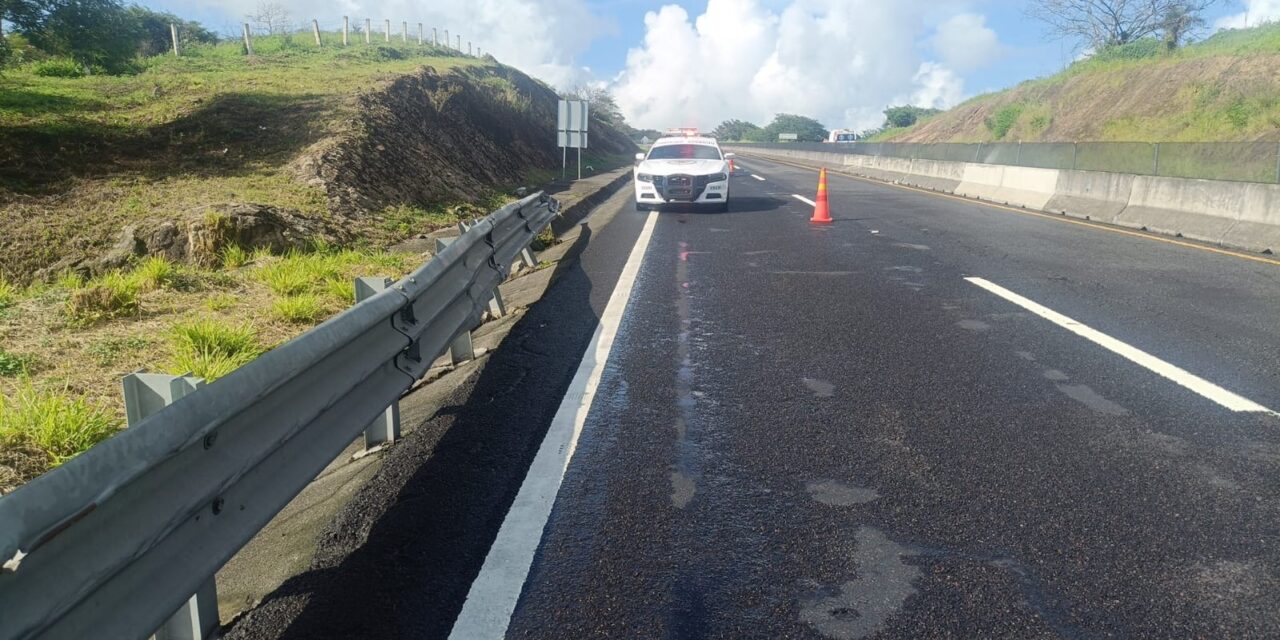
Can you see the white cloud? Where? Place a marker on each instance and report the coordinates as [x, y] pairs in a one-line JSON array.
[[937, 87], [541, 37], [841, 61], [966, 43], [1256, 12]]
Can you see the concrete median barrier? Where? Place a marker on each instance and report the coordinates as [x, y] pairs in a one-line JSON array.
[[1243, 215]]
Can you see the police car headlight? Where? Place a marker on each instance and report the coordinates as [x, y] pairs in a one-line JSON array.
[[717, 177], [644, 177]]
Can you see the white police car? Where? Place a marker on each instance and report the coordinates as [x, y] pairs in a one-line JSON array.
[[682, 169]]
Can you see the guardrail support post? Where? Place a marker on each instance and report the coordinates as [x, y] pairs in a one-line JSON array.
[[144, 395], [526, 256], [385, 428]]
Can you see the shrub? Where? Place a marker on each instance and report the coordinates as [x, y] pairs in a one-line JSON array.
[[111, 296], [12, 364], [57, 424], [58, 68], [1136, 50], [210, 349], [302, 309], [1004, 119]]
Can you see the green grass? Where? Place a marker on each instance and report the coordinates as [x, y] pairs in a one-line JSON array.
[[12, 364], [107, 297], [56, 424], [300, 309], [404, 220], [9, 294], [153, 273], [107, 352], [211, 349], [234, 257]]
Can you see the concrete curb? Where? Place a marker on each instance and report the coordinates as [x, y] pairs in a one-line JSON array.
[[1239, 215]]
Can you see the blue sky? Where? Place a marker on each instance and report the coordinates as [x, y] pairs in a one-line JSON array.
[[697, 62]]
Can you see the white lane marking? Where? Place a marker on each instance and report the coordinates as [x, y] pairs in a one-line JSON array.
[[804, 200], [1172, 372], [757, 177], [493, 595]]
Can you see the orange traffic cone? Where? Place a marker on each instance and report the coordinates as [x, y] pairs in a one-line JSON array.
[[821, 212], [730, 165]]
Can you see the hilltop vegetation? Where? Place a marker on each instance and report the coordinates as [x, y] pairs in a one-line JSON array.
[[1224, 88], [189, 213]]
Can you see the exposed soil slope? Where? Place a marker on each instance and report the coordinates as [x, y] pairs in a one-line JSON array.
[[1224, 89]]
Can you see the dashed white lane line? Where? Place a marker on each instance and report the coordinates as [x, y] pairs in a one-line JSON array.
[[804, 200], [761, 179], [493, 596], [1172, 372]]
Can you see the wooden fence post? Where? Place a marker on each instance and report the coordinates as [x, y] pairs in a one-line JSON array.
[[346, 29], [248, 40], [367, 26], [315, 29]]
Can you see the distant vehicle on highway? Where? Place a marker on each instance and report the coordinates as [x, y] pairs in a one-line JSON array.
[[686, 168], [842, 135]]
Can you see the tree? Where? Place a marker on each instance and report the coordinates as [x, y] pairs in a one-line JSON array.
[[736, 130], [155, 35], [271, 18], [806, 129], [600, 103], [1107, 23], [907, 115], [95, 33], [1178, 24]]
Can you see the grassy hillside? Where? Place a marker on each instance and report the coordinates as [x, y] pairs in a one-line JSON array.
[[1224, 88], [191, 216]]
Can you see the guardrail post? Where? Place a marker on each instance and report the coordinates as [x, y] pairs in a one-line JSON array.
[[144, 395], [385, 428], [461, 349]]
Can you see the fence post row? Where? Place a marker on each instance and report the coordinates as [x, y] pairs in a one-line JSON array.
[[144, 395]]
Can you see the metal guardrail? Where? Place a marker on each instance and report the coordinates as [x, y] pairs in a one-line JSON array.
[[1233, 161], [113, 542]]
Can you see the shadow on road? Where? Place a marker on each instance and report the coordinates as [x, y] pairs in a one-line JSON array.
[[399, 559]]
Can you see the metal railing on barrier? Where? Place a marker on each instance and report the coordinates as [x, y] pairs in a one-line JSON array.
[[113, 543], [1233, 161]]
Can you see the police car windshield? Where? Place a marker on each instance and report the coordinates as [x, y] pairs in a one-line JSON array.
[[684, 152]]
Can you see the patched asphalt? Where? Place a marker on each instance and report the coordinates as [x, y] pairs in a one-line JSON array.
[[826, 432]]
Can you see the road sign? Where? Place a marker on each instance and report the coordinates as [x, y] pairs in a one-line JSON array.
[[571, 131], [787, 137]]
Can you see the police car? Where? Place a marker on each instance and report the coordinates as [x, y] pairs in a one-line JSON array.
[[686, 168]]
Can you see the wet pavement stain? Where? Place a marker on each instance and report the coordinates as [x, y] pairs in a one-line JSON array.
[[1055, 375], [913, 247], [839, 494], [685, 470], [1084, 394], [859, 607], [1026, 355], [820, 388], [908, 269], [973, 325]]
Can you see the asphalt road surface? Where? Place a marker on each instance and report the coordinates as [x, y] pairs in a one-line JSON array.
[[932, 418]]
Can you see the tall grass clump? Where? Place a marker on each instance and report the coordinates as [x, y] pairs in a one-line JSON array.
[[154, 273], [57, 424], [8, 294], [306, 308], [113, 295], [211, 349], [234, 257]]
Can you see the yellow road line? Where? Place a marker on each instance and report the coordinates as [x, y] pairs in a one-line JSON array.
[[1051, 216]]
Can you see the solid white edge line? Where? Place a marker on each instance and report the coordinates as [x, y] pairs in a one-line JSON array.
[[1172, 372], [804, 200], [496, 590], [761, 179]]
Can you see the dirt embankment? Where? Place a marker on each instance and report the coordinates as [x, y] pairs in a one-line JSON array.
[[1212, 98], [419, 141]]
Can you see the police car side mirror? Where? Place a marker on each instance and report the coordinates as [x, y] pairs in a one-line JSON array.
[[639, 157], [729, 156]]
